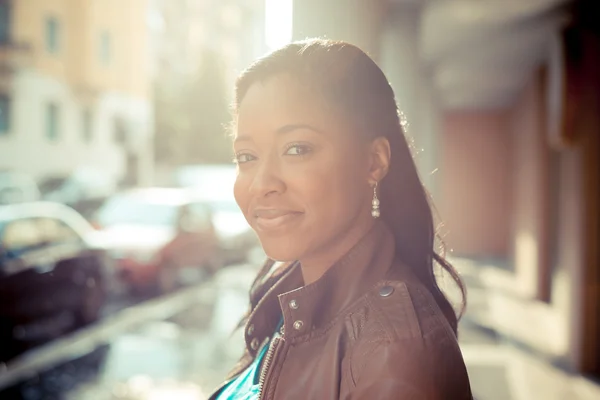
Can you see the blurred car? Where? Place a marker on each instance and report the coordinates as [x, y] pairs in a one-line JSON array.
[[236, 239], [51, 279], [213, 184], [16, 187], [155, 233], [84, 189]]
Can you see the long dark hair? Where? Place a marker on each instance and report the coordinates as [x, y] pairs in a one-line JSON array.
[[351, 82]]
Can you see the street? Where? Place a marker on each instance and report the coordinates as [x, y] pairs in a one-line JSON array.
[[181, 345]]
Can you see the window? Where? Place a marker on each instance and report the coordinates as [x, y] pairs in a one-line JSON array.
[[4, 115], [120, 131], [51, 184], [52, 121], [52, 35], [87, 128], [105, 48], [4, 21], [129, 210]]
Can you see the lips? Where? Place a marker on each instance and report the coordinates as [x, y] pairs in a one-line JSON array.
[[268, 219]]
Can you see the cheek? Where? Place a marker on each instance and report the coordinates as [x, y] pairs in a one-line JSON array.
[[333, 187]]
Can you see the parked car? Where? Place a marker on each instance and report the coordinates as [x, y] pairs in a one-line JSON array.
[[84, 189], [155, 233], [213, 184], [17, 187], [51, 279], [236, 239]]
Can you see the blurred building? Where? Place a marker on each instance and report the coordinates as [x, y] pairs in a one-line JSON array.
[[183, 30], [199, 48], [504, 98], [74, 88]]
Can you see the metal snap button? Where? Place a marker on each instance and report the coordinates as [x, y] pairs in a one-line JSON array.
[[298, 325], [250, 329], [386, 291], [254, 344], [293, 304]]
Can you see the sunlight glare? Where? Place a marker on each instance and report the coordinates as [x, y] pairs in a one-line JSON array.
[[278, 23]]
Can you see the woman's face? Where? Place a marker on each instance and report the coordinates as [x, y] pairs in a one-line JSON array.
[[303, 177]]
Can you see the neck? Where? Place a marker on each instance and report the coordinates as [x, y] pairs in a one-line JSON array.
[[317, 263]]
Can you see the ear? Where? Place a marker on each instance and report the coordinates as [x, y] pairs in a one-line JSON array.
[[380, 156]]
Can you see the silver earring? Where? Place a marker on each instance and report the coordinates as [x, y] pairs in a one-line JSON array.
[[375, 203]]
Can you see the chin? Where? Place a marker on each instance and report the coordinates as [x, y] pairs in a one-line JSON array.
[[282, 248]]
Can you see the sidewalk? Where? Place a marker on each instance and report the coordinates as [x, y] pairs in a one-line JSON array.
[[498, 369]]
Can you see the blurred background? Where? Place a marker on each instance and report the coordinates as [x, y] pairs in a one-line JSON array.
[[125, 263]]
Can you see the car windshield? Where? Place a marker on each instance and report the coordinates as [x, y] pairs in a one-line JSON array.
[[129, 210], [51, 184]]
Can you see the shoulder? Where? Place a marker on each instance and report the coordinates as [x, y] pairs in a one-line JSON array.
[[405, 341], [404, 310]]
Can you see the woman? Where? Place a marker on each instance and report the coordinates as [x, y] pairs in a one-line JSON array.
[[327, 181]]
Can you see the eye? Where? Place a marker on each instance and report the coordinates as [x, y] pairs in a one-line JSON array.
[[241, 158], [298, 150]]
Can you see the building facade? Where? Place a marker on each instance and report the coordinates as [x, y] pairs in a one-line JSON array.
[[502, 101], [75, 88]]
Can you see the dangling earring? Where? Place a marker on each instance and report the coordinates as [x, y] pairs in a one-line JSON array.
[[375, 204]]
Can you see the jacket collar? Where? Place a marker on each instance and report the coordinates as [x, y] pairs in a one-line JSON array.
[[307, 309]]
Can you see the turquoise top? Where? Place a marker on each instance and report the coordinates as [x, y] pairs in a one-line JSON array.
[[245, 386]]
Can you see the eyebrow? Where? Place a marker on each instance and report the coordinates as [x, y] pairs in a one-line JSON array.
[[282, 130]]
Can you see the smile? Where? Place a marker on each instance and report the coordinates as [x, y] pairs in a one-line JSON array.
[[269, 220]]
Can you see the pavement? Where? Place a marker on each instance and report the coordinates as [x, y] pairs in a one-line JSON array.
[[501, 369], [181, 345]]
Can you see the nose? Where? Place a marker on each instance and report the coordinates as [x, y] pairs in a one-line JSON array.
[[267, 179]]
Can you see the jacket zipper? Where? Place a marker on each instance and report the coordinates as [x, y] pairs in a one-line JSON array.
[[237, 374], [265, 368]]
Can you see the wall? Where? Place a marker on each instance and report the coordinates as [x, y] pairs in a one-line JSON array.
[[476, 190], [128, 71], [494, 195], [540, 303], [27, 148], [531, 195], [81, 24]]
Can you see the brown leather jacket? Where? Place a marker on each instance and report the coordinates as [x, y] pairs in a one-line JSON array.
[[364, 330]]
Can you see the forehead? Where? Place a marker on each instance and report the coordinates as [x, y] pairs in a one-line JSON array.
[[283, 100]]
